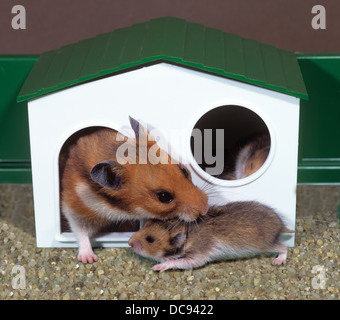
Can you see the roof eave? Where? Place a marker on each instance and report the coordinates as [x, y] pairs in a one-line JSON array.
[[154, 60]]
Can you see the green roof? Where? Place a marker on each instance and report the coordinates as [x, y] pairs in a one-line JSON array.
[[171, 40]]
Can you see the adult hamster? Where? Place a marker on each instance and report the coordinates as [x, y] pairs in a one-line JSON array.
[[97, 189], [234, 230]]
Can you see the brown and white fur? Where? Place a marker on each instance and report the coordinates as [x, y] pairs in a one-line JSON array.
[[96, 189], [234, 230], [252, 156]]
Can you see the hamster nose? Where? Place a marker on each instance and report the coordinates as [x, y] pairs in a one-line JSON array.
[[135, 244]]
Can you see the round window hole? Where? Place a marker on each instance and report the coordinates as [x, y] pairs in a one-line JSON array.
[[230, 143]]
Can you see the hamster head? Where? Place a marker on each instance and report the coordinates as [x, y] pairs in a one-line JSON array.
[[160, 240], [147, 187]]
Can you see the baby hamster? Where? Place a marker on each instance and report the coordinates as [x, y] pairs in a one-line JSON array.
[[234, 230], [252, 156], [96, 189]]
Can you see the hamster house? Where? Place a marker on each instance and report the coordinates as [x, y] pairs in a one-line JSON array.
[[175, 76]]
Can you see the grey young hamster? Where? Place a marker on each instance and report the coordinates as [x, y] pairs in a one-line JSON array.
[[234, 230]]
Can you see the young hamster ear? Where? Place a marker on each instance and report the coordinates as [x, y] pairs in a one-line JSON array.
[[178, 240], [106, 174]]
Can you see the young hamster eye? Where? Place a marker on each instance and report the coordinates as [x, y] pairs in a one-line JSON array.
[[150, 239], [165, 196]]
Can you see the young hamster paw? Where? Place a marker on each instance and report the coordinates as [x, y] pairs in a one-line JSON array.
[[161, 267], [281, 259], [183, 263], [87, 257]]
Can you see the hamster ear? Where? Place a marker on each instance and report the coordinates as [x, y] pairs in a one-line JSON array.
[[178, 239], [136, 127], [141, 132], [106, 174]]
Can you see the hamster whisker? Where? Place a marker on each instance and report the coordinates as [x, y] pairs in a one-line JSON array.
[[164, 233], [209, 189], [178, 222], [207, 185]]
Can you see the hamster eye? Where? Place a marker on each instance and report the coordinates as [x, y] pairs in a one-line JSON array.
[[184, 171], [150, 239], [165, 196]]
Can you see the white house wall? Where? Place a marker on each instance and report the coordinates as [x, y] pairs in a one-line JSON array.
[[171, 99]]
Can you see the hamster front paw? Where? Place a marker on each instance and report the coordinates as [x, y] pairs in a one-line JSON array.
[[87, 257]]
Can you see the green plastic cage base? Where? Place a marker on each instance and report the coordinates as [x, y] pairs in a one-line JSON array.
[[15, 159], [319, 138]]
